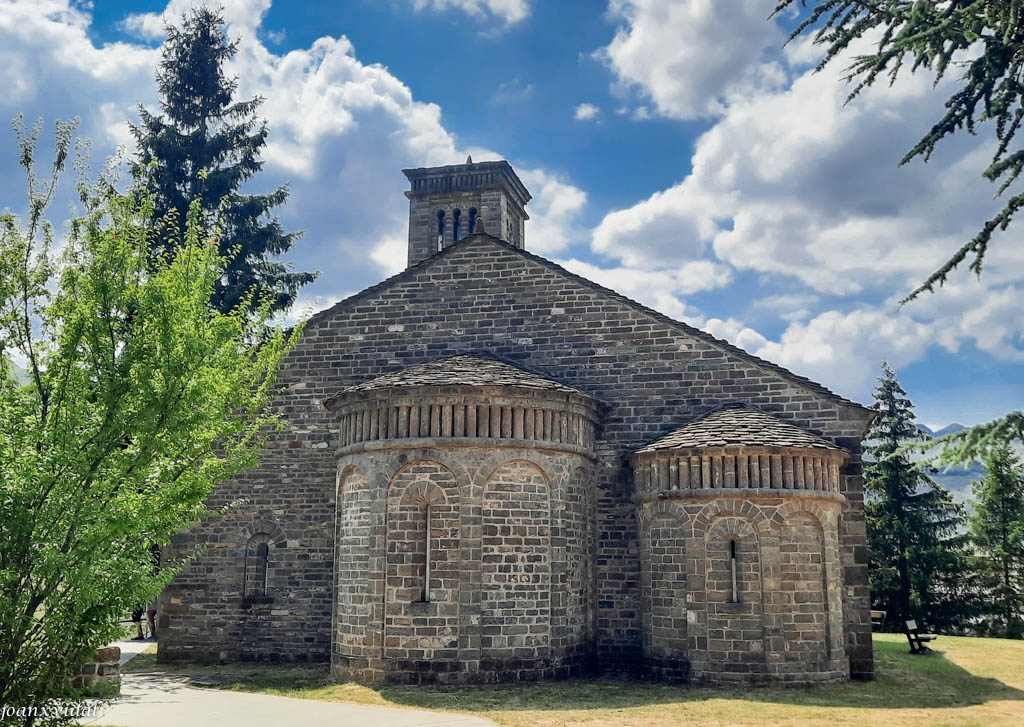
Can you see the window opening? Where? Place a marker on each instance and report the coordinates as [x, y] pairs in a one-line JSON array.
[[257, 558], [440, 230], [426, 537], [472, 220], [457, 225], [732, 569]]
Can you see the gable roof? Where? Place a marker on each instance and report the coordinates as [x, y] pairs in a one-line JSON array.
[[696, 333], [738, 425], [464, 370]]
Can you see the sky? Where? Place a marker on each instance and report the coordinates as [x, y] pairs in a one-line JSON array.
[[677, 151]]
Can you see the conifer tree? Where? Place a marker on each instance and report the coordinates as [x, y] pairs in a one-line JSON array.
[[997, 530], [204, 146], [913, 550]]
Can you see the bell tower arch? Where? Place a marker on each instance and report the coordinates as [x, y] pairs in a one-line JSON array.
[[452, 202]]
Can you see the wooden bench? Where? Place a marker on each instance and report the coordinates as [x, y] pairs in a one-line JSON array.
[[877, 619], [918, 641]]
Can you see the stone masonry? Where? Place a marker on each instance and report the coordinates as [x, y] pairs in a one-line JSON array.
[[496, 470]]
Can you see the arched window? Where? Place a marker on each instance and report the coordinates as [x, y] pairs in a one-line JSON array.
[[440, 230], [472, 220], [257, 555], [426, 549], [457, 225]]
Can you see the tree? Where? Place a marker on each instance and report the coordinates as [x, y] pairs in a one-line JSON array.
[[140, 397], [909, 35], [205, 146], [911, 520], [997, 530]]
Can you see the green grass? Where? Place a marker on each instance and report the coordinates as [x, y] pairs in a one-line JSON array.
[[965, 682]]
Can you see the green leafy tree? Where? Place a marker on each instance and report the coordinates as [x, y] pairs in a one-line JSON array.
[[981, 37], [140, 396], [997, 530], [205, 146], [914, 556]]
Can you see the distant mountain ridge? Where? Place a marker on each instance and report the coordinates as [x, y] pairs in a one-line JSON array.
[[948, 429], [956, 479]]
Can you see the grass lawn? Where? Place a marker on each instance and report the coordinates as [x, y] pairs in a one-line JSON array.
[[966, 681]]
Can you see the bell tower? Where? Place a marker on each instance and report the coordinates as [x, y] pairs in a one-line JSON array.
[[449, 203]]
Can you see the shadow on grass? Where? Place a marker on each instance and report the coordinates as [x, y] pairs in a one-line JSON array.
[[904, 682], [928, 681]]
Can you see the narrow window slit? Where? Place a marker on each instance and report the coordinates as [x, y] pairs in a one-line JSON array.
[[732, 571], [426, 537]]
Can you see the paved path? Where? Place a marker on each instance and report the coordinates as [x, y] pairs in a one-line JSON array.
[[131, 648], [160, 700]]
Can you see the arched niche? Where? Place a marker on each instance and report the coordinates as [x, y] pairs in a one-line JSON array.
[[804, 613], [422, 563], [353, 577], [664, 585], [515, 601]]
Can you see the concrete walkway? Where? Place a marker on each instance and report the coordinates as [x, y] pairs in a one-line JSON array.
[[160, 700], [130, 649]]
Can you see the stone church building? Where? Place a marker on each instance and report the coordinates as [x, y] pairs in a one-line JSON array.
[[496, 470]]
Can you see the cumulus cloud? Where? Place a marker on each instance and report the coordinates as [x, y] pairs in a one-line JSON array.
[[340, 129], [507, 11], [844, 347], [801, 193], [554, 212], [690, 57], [586, 112], [791, 183]]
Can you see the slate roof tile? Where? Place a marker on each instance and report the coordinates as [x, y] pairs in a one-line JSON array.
[[733, 426], [464, 370]]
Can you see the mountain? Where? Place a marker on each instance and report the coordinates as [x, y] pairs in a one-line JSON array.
[[948, 429], [957, 479]]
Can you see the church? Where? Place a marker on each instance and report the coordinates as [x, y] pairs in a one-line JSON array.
[[494, 470]]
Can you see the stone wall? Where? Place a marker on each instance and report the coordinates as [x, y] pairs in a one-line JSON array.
[[481, 295], [500, 519], [785, 621], [100, 676]]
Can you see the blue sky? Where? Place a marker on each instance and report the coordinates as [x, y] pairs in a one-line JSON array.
[[675, 150]]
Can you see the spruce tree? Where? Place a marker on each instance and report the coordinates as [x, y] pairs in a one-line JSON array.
[[205, 146], [997, 530], [913, 549]]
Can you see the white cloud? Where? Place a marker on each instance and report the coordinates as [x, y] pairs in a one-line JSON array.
[[508, 11], [391, 254], [586, 112], [554, 212], [243, 17], [846, 348], [689, 57], [790, 185], [793, 184]]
